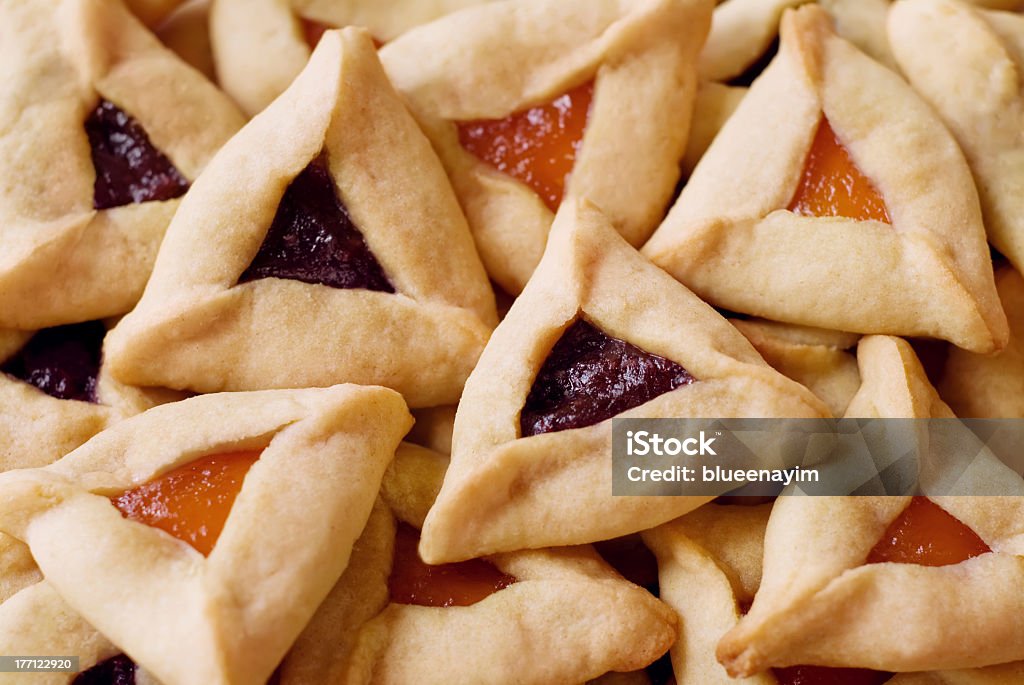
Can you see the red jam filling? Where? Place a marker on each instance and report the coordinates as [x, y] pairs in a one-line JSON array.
[[129, 170], [63, 362], [832, 185], [313, 31], [445, 585], [537, 146], [117, 670], [193, 501], [927, 535], [589, 377], [313, 240]]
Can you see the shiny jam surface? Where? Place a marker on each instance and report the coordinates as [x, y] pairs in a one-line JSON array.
[[193, 501], [445, 585], [313, 240], [117, 670], [927, 535], [832, 185], [129, 170], [821, 675], [537, 146], [589, 377], [63, 362]]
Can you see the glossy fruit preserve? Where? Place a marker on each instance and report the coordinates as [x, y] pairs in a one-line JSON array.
[[537, 146], [445, 585], [193, 501], [589, 377], [832, 185]]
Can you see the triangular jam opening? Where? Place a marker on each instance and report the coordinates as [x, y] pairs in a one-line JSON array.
[[63, 362], [537, 146], [313, 240], [832, 185], [927, 535], [589, 377], [444, 585], [191, 502], [129, 169], [117, 670]]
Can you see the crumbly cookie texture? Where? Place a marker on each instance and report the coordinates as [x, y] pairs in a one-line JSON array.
[[422, 339], [61, 259], [175, 611], [731, 238], [515, 54], [565, 476]]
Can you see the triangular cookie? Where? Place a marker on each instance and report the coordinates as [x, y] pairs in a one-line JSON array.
[[834, 591], [525, 100], [818, 204], [599, 332], [260, 46], [492, 620], [709, 568], [322, 245], [55, 393], [103, 129], [986, 386], [306, 467], [967, 64]]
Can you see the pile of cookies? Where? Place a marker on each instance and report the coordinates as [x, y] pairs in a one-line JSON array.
[[315, 315]]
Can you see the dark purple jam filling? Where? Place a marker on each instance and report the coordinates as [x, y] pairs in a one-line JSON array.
[[313, 240], [63, 362], [589, 377], [117, 670], [129, 170]]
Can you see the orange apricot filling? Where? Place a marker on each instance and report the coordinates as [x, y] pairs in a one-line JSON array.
[[537, 146], [832, 185], [445, 585], [193, 501], [923, 534], [927, 535]]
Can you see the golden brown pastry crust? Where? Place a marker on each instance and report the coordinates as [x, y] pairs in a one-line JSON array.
[[991, 387], [565, 476], [175, 611], [565, 596], [819, 604], [730, 238], [741, 32], [422, 340], [88, 49], [967, 64], [260, 47], [37, 429], [862, 22], [187, 32], [714, 104], [817, 359], [152, 12], [709, 566], [515, 54]]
